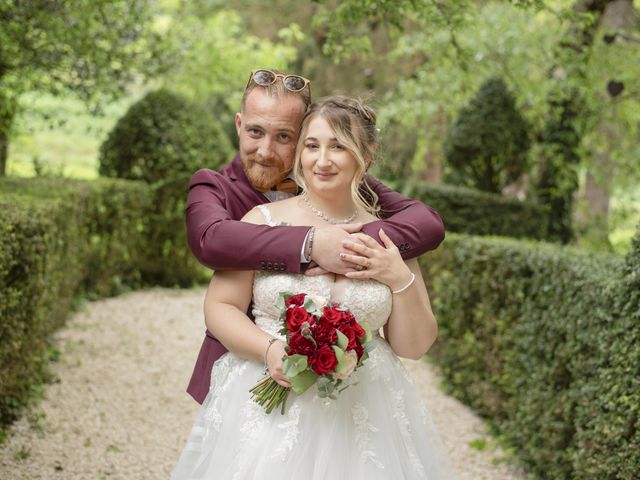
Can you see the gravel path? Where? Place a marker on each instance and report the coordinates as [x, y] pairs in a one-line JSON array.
[[119, 409]]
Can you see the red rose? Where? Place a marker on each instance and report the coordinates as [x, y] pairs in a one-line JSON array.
[[332, 315], [300, 345], [296, 316], [358, 329], [347, 317], [296, 300], [350, 333], [324, 361], [323, 332]]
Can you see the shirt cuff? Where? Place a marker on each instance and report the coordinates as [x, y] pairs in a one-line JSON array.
[[303, 257]]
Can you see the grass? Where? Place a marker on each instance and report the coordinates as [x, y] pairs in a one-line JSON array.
[[60, 136]]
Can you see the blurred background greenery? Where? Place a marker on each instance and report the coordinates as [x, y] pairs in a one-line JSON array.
[[572, 67]]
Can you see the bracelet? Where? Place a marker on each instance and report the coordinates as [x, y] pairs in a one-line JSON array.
[[271, 342], [312, 232], [413, 277]]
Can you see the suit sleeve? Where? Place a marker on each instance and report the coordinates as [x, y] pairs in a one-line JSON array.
[[414, 227], [222, 242]]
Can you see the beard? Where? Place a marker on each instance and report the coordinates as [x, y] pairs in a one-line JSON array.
[[264, 178]]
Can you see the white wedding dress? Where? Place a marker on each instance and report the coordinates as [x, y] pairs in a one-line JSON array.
[[377, 428]]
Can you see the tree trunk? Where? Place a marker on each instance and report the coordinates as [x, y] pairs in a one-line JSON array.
[[618, 16], [562, 135], [433, 160], [4, 152]]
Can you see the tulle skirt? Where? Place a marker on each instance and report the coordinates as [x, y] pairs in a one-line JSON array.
[[377, 428]]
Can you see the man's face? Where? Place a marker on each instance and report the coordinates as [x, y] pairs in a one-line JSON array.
[[268, 129]]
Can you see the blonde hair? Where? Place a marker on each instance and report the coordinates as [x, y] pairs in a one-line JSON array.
[[354, 125]]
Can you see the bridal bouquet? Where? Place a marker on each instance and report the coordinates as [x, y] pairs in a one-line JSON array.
[[325, 344]]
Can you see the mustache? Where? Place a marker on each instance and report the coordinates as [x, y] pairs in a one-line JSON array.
[[279, 164]]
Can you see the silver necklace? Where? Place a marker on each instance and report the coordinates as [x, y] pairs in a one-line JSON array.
[[323, 216]]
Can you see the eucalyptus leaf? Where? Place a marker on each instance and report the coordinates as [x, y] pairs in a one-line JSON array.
[[293, 365], [301, 382], [343, 341]]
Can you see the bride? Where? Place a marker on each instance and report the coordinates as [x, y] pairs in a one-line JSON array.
[[378, 428]]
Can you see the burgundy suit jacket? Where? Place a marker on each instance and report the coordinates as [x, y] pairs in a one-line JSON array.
[[217, 200]]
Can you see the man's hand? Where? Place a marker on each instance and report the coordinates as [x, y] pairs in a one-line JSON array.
[[327, 246]]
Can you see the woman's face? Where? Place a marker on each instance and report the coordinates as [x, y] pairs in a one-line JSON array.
[[327, 165]]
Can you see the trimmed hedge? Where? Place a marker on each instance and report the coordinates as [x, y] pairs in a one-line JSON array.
[[161, 135], [544, 341], [62, 239], [465, 210], [162, 140]]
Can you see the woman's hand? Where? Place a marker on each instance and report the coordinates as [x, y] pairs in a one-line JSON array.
[[275, 354], [383, 264]]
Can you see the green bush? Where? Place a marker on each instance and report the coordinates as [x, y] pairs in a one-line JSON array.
[[544, 341], [60, 239], [465, 210], [487, 146], [163, 139], [163, 135]]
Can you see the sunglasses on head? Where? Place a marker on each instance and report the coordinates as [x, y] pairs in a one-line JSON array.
[[264, 78]]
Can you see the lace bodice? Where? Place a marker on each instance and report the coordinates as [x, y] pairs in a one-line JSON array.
[[368, 300]]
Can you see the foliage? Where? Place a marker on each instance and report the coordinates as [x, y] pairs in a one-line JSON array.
[[487, 145], [496, 40], [163, 135], [543, 341], [59, 240], [449, 61], [84, 46], [218, 53], [479, 213], [163, 139], [57, 136], [91, 48], [348, 22]]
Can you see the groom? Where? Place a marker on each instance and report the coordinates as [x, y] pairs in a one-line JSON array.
[[268, 125]]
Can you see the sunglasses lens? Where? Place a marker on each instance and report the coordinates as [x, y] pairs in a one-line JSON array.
[[264, 77], [294, 83]]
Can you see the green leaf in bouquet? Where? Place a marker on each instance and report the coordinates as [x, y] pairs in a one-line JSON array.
[[343, 341], [342, 359], [365, 355], [302, 381], [369, 346], [309, 305], [326, 387], [294, 364], [283, 297], [367, 334]]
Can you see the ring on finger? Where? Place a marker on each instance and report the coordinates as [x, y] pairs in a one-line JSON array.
[[359, 268]]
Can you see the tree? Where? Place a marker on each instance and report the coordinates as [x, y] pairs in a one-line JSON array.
[[611, 139], [93, 48], [566, 122], [486, 147]]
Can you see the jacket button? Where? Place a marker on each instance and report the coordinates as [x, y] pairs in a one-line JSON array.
[[262, 265], [282, 266]]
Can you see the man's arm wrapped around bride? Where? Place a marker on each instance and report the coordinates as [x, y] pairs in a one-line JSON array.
[[268, 126], [378, 427]]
